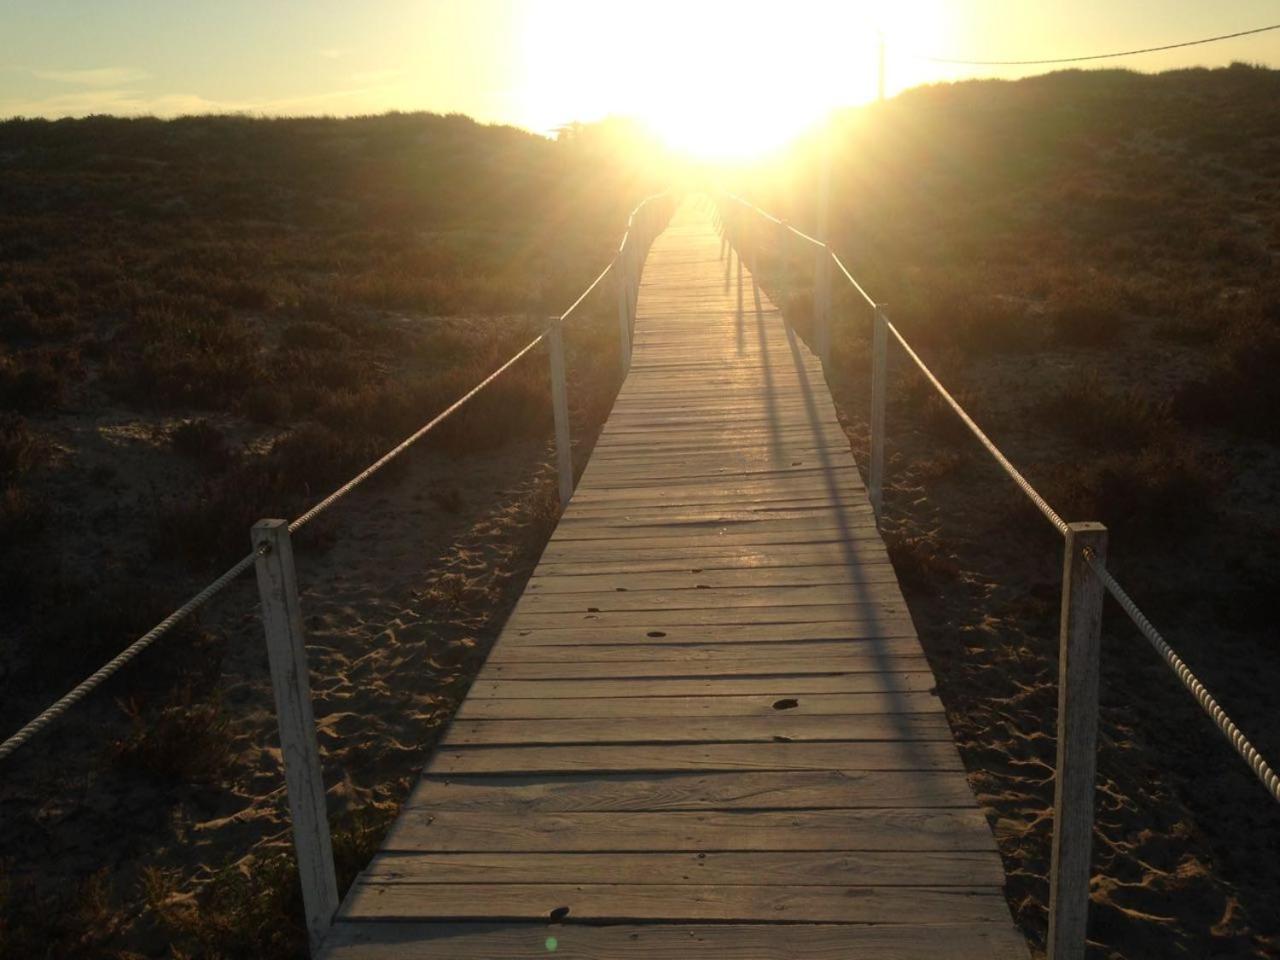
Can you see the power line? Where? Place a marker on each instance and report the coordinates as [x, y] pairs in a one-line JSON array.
[[1100, 56]]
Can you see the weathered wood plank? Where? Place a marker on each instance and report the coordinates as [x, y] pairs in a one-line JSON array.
[[755, 941], [675, 666], [872, 829], [784, 725], [778, 686], [724, 705], [625, 598], [720, 790], [652, 651], [760, 868], [901, 754], [849, 611], [743, 633], [831, 574], [619, 903]]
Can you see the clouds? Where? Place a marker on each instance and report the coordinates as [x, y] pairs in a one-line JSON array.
[[128, 91], [94, 76]]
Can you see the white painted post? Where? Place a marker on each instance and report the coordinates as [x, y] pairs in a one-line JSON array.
[[822, 306], [1079, 644], [739, 279], [282, 623], [560, 408], [633, 280], [624, 312], [879, 383]]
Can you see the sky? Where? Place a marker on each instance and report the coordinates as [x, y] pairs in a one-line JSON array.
[[688, 67]]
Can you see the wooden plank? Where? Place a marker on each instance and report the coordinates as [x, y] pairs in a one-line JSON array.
[[743, 633], [783, 725], [653, 651], [777, 686], [902, 754], [632, 594], [861, 546], [720, 790], [760, 868], [721, 705], [619, 903], [831, 574], [699, 831], [849, 611], [674, 666], [755, 941]]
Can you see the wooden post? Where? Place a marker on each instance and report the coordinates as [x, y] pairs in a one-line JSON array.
[[560, 408], [282, 623], [624, 312], [879, 383], [633, 280], [822, 306], [1079, 644], [739, 280]]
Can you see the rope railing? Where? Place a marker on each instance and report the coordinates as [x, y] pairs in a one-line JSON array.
[[1080, 629], [108, 669], [1014, 473], [1208, 704], [56, 710], [413, 438]]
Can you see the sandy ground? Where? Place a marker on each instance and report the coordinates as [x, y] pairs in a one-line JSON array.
[[1180, 859], [404, 586]]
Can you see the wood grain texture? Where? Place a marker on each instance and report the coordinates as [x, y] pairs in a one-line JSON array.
[[707, 729], [732, 868], [784, 725], [871, 829], [755, 941], [621, 902]]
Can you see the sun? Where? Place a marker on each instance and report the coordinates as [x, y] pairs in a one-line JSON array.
[[720, 81]]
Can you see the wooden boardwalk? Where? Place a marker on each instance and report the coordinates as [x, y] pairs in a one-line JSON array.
[[708, 729]]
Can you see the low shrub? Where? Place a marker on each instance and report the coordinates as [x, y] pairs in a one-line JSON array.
[[1086, 324], [1151, 495], [21, 448], [185, 740], [203, 444], [35, 381], [1100, 418]]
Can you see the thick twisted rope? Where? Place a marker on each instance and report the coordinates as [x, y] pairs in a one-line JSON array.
[[409, 441], [1049, 513], [104, 673], [1189, 680], [112, 666]]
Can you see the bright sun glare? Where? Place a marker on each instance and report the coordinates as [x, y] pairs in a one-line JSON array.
[[716, 80]]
